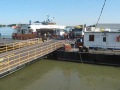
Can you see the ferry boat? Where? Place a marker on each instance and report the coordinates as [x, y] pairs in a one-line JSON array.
[[38, 29], [22, 32]]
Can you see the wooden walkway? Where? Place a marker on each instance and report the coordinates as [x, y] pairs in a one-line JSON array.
[[11, 61], [8, 45]]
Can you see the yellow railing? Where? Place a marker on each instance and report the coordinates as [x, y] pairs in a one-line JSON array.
[[17, 45], [11, 61]]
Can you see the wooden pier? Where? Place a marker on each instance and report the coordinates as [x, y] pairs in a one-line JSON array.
[[10, 61]]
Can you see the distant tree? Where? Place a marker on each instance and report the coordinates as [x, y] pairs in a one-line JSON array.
[[1, 25], [10, 25]]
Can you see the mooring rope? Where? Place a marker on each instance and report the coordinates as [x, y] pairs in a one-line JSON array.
[[100, 13], [90, 82]]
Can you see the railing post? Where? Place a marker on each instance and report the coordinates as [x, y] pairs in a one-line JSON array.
[[28, 42], [8, 62], [52, 47], [35, 41], [19, 44], [40, 52], [35, 54], [55, 47], [28, 55], [0, 66], [47, 49], [1, 63], [19, 59], [6, 48], [38, 40], [13, 46]]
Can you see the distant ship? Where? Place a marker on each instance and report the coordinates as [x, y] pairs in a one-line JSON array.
[[38, 29]]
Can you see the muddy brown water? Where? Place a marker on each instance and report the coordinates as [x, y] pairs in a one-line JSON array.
[[61, 75]]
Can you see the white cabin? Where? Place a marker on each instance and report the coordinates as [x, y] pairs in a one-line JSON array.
[[53, 29], [106, 40], [22, 29], [47, 26], [35, 27]]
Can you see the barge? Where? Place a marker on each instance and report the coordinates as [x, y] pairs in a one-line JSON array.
[[101, 56]]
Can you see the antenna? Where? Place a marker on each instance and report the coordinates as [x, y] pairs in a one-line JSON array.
[[53, 19], [48, 18]]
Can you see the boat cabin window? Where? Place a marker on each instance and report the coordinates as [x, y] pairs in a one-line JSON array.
[[91, 37], [23, 31], [79, 40], [104, 39], [30, 30]]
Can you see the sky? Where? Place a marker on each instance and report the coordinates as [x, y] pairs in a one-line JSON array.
[[65, 12]]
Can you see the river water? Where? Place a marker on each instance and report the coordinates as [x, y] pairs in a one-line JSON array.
[[61, 75], [6, 32]]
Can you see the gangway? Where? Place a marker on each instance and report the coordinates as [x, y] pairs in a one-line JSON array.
[[19, 58], [8, 46]]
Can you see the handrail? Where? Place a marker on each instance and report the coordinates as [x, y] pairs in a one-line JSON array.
[[17, 45], [21, 57], [13, 60], [19, 50]]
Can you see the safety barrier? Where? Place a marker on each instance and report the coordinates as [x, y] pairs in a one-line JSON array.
[[17, 45], [13, 60]]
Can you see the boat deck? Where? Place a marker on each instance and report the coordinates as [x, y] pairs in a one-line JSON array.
[[110, 52]]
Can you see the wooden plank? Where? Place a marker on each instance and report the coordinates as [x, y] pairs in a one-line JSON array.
[[19, 57]]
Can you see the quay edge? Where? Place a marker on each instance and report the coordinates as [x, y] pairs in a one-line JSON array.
[[86, 57]]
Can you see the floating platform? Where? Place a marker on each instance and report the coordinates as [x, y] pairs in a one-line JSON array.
[[104, 57]]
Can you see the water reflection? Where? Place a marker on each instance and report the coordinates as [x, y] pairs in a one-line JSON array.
[[59, 75]]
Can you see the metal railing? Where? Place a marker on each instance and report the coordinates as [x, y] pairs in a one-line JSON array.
[[12, 61]]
